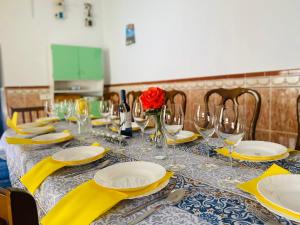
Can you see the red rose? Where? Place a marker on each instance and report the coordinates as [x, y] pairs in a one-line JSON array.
[[153, 98]]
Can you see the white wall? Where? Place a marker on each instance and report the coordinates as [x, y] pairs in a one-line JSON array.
[[190, 38], [26, 33]]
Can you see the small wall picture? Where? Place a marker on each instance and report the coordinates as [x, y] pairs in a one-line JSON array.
[[130, 34]]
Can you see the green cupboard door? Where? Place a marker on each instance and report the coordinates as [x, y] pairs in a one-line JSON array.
[[90, 63], [65, 62]]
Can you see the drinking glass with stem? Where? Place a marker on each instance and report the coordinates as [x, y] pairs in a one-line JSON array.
[[104, 109], [117, 123], [141, 119], [204, 122], [172, 119], [230, 127], [51, 108], [81, 113]]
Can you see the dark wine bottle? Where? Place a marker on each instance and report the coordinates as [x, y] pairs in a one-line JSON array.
[[125, 116]]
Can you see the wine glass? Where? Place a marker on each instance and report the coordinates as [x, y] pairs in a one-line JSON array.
[[104, 109], [204, 122], [172, 119], [50, 108], [140, 118], [117, 122], [230, 127], [64, 109], [81, 112]]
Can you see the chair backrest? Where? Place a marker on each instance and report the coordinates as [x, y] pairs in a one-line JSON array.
[[17, 208], [171, 97], [30, 110], [113, 96], [297, 147], [233, 94], [132, 96]]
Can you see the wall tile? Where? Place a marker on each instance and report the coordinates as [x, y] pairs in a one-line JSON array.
[[283, 109]]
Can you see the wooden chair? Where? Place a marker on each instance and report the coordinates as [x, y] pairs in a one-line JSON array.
[[113, 96], [297, 147], [29, 110], [171, 96], [233, 94], [132, 96], [17, 208]]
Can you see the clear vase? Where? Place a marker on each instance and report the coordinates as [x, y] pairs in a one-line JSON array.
[[158, 138]]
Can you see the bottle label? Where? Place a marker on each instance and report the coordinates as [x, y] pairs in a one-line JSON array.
[[125, 120]]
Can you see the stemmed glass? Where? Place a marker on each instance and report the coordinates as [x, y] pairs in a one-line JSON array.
[[81, 112], [172, 119], [204, 122], [230, 127], [140, 118], [117, 122], [104, 109], [64, 109], [50, 108]]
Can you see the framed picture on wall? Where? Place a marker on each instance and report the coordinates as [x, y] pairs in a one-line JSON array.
[[130, 34]]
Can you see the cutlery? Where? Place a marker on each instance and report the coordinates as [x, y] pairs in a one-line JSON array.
[[173, 198], [139, 208], [267, 220], [158, 198], [91, 168]]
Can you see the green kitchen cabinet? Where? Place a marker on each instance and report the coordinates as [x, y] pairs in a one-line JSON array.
[[77, 63], [90, 63], [65, 62]]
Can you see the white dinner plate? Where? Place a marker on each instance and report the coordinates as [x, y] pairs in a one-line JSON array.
[[79, 154], [52, 136], [155, 190], [284, 156], [30, 125], [48, 119], [279, 213], [282, 190], [38, 130], [260, 149], [100, 122], [183, 136], [130, 176]]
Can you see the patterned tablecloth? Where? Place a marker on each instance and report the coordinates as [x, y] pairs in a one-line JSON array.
[[210, 199]]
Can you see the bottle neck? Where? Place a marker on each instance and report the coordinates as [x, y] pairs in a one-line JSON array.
[[123, 96]]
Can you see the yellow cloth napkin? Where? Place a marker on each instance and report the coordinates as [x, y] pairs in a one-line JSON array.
[[12, 123], [235, 155], [88, 201], [183, 140], [39, 172], [99, 122], [28, 141], [251, 187]]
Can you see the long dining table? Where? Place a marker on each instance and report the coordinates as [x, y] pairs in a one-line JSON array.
[[210, 198]]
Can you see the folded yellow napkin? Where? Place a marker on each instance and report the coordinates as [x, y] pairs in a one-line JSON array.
[[113, 129], [235, 155], [39, 172], [28, 141], [99, 122], [183, 140], [88, 201], [251, 187], [12, 123]]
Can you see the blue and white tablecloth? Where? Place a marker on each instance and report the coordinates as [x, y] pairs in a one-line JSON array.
[[210, 200]]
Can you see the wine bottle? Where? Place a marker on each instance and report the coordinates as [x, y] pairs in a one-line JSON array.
[[125, 116]]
